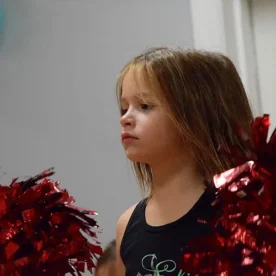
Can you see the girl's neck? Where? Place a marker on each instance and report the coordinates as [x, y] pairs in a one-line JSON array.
[[176, 179]]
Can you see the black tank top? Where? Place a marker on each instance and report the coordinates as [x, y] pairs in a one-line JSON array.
[[157, 250]]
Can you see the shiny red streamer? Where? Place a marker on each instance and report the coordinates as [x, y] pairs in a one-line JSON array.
[[243, 240], [41, 231]]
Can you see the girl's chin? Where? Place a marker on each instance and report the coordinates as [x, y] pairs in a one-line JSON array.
[[134, 157]]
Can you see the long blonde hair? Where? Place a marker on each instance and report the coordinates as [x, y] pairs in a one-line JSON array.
[[205, 98]]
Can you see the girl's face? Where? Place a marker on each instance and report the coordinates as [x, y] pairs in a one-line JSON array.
[[148, 133]]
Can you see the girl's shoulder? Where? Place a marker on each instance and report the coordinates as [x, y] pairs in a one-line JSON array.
[[124, 219]]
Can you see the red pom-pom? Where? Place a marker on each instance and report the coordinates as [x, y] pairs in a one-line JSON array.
[[42, 233], [244, 226]]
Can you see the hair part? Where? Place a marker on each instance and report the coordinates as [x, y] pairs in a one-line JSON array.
[[205, 98]]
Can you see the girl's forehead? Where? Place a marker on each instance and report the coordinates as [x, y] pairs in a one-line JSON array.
[[134, 86], [133, 82]]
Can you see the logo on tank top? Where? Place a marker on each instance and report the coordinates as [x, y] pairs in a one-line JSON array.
[[155, 267]]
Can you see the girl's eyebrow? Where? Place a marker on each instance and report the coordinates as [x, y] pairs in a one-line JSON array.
[[137, 96], [146, 96], [140, 96]]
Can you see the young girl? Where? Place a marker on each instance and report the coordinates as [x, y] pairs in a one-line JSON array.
[[178, 108]]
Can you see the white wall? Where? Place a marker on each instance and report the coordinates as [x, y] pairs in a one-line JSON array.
[[58, 66], [225, 26], [264, 22]]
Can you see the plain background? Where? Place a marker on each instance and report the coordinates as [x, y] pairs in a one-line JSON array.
[[264, 21]]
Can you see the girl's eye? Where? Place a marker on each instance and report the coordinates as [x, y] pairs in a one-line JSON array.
[[123, 111], [145, 107]]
